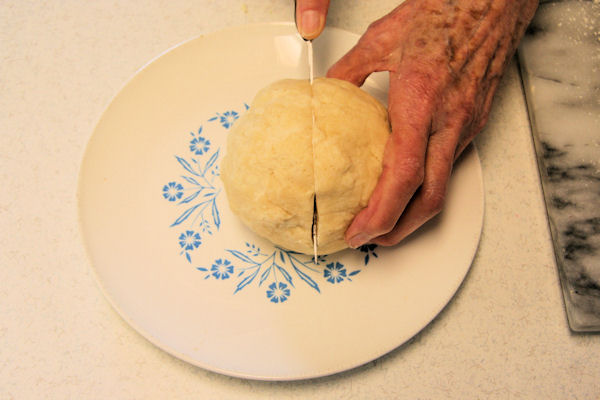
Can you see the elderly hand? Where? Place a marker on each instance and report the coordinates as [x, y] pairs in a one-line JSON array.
[[445, 59]]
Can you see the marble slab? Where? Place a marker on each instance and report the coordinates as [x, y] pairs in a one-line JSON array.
[[560, 65]]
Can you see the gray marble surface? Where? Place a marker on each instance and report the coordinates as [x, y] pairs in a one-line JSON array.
[[560, 63]]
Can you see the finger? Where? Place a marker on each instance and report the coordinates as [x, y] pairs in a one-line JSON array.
[[489, 66], [373, 51], [429, 199], [310, 17], [480, 120], [410, 108], [355, 66], [467, 119]]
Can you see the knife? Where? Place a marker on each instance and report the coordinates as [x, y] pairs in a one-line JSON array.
[[311, 74], [309, 48], [315, 215]]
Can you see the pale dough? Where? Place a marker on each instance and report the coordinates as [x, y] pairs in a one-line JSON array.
[[277, 161]]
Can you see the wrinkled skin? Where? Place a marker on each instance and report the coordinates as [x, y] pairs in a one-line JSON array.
[[445, 59]]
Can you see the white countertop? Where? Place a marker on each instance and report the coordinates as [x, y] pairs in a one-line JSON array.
[[504, 335]]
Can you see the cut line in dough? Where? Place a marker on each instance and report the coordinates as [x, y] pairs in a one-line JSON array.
[[301, 147]]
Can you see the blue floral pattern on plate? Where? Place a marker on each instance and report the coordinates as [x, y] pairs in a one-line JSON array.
[[227, 118], [278, 292], [200, 186], [279, 271], [172, 191], [281, 268]]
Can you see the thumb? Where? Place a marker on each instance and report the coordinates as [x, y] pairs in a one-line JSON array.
[[358, 63], [310, 17], [351, 67], [377, 49]]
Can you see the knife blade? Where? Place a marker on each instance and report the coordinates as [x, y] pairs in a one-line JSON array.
[[311, 73], [314, 231], [309, 49]]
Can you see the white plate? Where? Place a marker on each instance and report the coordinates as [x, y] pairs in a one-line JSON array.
[[168, 253]]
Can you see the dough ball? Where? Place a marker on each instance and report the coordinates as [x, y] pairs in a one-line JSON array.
[[278, 161]]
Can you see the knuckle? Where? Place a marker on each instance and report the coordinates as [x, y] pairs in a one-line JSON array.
[[469, 105], [410, 172], [466, 109], [387, 241], [406, 175], [381, 36], [481, 123], [434, 197], [375, 25], [382, 225]]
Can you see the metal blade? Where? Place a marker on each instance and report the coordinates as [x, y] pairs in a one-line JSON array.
[[311, 76], [315, 224]]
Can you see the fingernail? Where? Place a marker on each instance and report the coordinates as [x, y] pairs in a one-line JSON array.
[[358, 240], [311, 23]]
